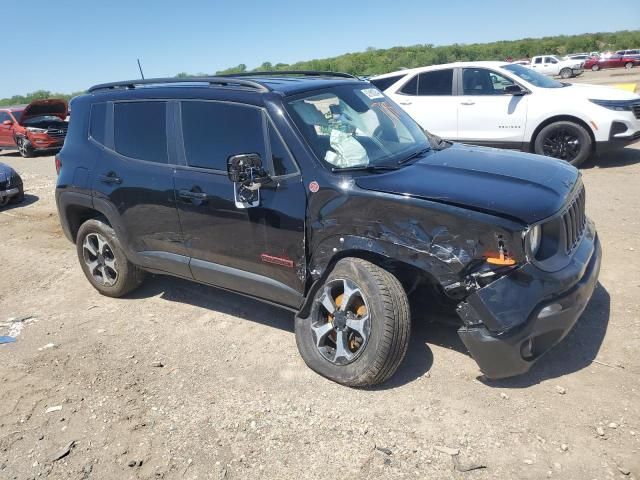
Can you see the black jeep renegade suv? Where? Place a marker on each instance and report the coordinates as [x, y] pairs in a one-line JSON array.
[[315, 192]]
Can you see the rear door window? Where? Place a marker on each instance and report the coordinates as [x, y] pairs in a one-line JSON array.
[[436, 83], [140, 130], [214, 131]]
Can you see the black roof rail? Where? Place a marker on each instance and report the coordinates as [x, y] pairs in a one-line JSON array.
[[303, 73], [212, 81]]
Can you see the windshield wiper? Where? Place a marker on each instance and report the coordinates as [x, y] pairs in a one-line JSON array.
[[365, 168], [417, 154]]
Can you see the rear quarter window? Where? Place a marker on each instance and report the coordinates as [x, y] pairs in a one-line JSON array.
[[98, 123], [384, 83]]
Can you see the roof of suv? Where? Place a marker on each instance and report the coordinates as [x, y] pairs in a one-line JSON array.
[[287, 83], [488, 64]]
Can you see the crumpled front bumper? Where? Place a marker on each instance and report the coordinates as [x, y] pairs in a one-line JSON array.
[[539, 307]]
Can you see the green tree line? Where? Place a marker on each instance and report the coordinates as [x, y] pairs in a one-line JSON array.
[[37, 95], [376, 61]]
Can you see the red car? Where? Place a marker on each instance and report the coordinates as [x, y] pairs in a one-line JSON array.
[[35, 127], [613, 61]]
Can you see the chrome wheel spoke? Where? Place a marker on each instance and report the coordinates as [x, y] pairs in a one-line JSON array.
[[350, 291], [359, 326], [343, 354], [87, 245], [321, 332], [327, 301]]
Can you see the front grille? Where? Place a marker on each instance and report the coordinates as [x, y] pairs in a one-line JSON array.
[[636, 110], [55, 133], [574, 220]]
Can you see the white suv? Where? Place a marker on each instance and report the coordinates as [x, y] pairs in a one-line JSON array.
[[511, 106]]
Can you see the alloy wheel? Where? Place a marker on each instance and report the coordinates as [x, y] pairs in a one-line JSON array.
[[22, 147], [562, 143], [100, 260], [341, 325]]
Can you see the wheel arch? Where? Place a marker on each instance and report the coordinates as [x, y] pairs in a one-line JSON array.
[[560, 118], [410, 276]]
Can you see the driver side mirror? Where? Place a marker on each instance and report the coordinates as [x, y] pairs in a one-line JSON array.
[[514, 90], [246, 173], [8, 123]]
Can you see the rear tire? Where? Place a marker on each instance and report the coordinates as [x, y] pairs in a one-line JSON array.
[[566, 73], [564, 140], [373, 302], [103, 260], [25, 148], [595, 68], [628, 65]]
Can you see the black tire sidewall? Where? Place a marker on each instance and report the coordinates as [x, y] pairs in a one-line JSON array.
[[584, 137], [356, 372], [128, 276]]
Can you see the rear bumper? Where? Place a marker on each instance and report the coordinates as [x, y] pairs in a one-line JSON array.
[[548, 317]]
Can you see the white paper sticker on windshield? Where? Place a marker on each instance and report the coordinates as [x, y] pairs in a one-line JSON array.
[[372, 93]]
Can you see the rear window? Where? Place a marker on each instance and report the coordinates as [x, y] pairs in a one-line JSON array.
[[140, 130], [384, 83], [438, 82], [98, 122]]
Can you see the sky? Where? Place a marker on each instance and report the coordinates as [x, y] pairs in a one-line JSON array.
[[70, 45]]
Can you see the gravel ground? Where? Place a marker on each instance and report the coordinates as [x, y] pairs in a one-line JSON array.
[[184, 381]]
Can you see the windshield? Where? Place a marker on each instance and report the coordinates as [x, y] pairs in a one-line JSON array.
[[356, 126], [533, 77]]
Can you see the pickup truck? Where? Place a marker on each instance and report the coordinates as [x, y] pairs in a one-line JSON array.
[[552, 65]]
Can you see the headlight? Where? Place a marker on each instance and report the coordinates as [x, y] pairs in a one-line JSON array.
[[534, 237], [36, 130], [618, 105]]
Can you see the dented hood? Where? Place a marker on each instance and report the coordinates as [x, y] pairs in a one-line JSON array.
[[516, 185], [49, 106]]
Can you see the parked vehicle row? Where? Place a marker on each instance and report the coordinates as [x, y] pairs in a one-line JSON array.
[[39, 126], [611, 61], [317, 193], [552, 65], [507, 105]]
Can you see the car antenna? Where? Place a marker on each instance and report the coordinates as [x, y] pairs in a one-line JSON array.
[[140, 68]]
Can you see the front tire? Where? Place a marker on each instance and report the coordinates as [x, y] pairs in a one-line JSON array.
[[103, 260], [25, 148], [628, 65], [566, 73], [595, 68], [357, 332], [564, 140]]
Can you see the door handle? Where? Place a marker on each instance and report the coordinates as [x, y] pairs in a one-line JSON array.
[[191, 195], [467, 103], [110, 178], [404, 103]]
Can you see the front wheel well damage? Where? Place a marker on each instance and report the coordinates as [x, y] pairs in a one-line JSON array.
[[422, 289]]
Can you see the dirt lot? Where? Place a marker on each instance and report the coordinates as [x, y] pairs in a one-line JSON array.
[[233, 399]]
